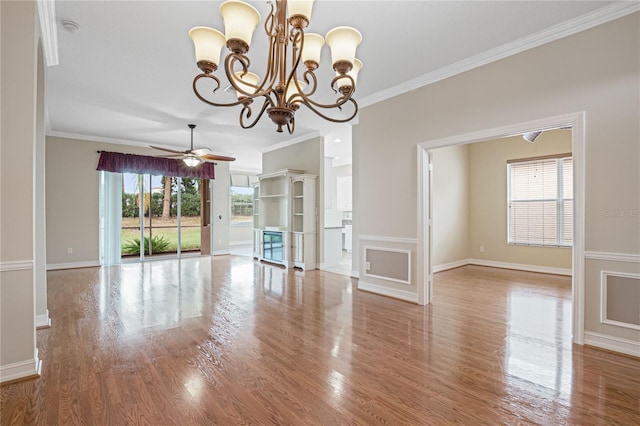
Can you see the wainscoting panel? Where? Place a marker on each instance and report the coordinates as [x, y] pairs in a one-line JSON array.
[[620, 299], [388, 264]]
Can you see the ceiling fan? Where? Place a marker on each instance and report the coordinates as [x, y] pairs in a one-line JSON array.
[[193, 157]]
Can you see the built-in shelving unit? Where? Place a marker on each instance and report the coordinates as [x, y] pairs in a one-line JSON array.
[[285, 211]]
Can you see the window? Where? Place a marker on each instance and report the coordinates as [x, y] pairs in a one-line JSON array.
[[241, 199], [540, 201]]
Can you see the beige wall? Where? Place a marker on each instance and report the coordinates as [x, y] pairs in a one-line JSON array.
[[595, 71], [17, 188], [488, 199], [306, 156], [72, 199], [450, 198]]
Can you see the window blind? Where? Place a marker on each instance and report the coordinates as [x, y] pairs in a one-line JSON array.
[[540, 201]]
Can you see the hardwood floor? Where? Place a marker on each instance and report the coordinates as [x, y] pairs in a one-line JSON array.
[[229, 341]]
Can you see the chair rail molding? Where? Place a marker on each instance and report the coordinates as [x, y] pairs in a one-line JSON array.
[[17, 265], [613, 257]]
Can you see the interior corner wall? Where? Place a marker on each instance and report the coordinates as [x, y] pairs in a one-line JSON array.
[[19, 40], [488, 199], [450, 200], [595, 71]]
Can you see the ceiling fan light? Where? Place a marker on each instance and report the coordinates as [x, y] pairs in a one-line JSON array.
[[312, 49], [531, 136], [240, 21], [345, 82], [192, 160], [343, 42], [241, 80], [208, 43]]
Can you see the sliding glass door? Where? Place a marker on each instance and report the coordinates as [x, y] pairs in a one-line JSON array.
[[161, 216]]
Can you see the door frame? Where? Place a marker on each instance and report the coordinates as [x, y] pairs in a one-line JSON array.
[[577, 123]]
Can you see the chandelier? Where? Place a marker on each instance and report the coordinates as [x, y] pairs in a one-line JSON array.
[[292, 59]]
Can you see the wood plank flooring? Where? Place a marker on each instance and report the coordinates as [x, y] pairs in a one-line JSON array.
[[228, 341]]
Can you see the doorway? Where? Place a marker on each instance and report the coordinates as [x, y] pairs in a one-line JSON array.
[[425, 203], [337, 226]]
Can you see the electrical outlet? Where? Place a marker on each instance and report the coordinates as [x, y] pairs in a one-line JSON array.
[[69, 250], [481, 249], [367, 266]]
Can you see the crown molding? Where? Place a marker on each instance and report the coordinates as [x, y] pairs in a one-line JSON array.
[[48, 31], [556, 32], [100, 139], [298, 139]]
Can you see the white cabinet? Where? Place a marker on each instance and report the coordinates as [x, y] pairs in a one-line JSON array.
[[304, 220], [285, 202]]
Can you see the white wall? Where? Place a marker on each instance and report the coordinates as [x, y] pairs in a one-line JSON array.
[[595, 71]]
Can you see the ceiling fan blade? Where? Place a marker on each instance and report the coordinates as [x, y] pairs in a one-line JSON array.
[[214, 157], [167, 149]]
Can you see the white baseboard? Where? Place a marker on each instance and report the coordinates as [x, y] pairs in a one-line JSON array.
[[221, 252], [43, 321], [390, 292], [73, 265], [450, 265], [355, 274], [241, 243], [22, 369], [520, 267], [611, 343]]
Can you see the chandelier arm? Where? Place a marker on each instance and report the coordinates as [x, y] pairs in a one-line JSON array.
[[296, 33], [269, 22], [326, 117], [313, 87], [247, 108], [203, 99], [291, 125]]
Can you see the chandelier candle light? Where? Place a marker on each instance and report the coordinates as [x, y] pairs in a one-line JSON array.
[[282, 89]]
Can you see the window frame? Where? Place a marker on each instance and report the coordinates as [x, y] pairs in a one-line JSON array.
[[560, 201]]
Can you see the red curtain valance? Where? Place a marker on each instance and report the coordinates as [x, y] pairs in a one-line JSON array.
[[118, 162]]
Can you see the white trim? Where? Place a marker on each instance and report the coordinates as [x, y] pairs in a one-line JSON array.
[[405, 295], [48, 31], [613, 257], [521, 267], [452, 265], [412, 241], [220, 252], [603, 299], [18, 265], [407, 252], [18, 370], [355, 274], [611, 343], [43, 321], [556, 32], [241, 243], [73, 265], [576, 121]]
